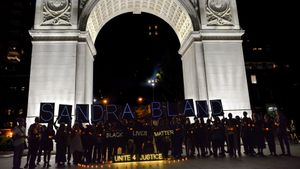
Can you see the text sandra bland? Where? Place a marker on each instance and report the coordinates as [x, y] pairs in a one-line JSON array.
[[99, 112]]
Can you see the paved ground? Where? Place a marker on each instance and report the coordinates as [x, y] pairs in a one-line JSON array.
[[244, 162]]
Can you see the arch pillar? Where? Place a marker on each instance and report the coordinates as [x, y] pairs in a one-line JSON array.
[[61, 69], [214, 68]]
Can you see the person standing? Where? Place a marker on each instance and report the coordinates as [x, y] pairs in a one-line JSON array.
[[293, 134], [61, 147], [282, 133], [34, 137], [18, 142], [269, 134], [47, 141]]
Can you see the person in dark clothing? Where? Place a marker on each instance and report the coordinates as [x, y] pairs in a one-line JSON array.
[[282, 133], [99, 136], [18, 142], [208, 130], [218, 137], [34, 137], [47, 142], [247, 134], [189, 140], [231, 133], [41, 146], [259, 134], [269, 134], [177, 138], [200, 137], [60, 139], [238, 134]]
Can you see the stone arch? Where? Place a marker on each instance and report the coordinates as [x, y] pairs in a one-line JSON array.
[[180, 15], [63, 49]]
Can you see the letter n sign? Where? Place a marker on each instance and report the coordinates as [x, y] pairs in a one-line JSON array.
[[216, 108], [82, 113], [202, 108], [46, 112]]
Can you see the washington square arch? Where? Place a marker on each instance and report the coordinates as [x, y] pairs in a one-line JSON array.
[[63, 49]]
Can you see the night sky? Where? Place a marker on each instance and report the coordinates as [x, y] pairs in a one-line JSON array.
[[131, 50]]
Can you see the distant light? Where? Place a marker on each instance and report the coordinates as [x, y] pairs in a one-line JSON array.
[[95, 100], [275, 66], [140, 99], [105, 101], [253, 79]]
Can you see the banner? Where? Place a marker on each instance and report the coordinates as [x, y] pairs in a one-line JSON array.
[[189, 108], [202, 108], [82, 113], [216, 108], [64, 113], [46, 112]]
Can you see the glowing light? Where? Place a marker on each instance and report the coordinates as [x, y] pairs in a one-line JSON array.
[[105, 101], [10, 134], [140, 99]]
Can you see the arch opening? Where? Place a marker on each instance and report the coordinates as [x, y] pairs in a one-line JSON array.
[[170, 11], [131, 49]]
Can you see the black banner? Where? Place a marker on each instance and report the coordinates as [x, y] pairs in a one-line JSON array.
[[216, 108], [46, 112], [64, 113], [189, 108], [202, 108], [82, 113]]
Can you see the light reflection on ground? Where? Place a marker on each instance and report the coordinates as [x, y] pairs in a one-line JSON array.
[[162, 164]]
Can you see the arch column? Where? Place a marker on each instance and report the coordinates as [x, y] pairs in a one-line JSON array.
[[214, 68], [61, 69]]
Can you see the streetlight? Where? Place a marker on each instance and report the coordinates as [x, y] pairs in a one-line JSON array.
[[152, 82], [140, 99]]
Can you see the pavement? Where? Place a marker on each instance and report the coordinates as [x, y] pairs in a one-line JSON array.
[[244, 162]]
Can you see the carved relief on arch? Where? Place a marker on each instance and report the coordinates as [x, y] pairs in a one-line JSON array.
[[56, 12], [218, 12]]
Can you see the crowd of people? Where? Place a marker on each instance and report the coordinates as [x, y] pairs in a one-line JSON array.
[[98, 143]]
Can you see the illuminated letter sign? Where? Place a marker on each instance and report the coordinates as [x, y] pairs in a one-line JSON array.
[[127, 113], [46, 112], [156, 110], [64, 113], [111, 112], [134, 157], [202, 108], [189, 108], [216, 108], [82, 113], [97, 111], [172, 109]]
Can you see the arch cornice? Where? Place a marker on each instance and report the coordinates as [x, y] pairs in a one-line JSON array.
[[188, 19]]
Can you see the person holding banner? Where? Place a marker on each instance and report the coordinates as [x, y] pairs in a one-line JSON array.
[[47, 143], [60, 139], [76, 144], [34, 137]]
